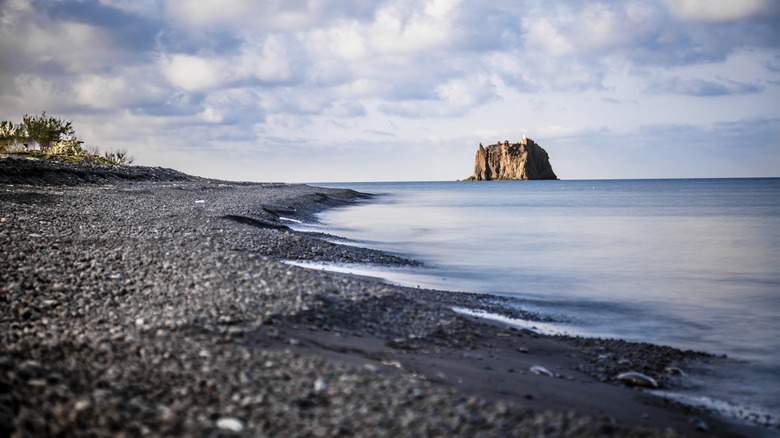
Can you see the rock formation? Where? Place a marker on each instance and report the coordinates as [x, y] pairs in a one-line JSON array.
[[524, 160]]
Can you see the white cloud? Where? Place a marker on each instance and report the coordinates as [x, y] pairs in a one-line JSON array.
[[97, 91], [133, 6], [33, 93], [209, 12], [463, 94], [321, 74], [716, 10], [194, 73], [13, 11], [344, 108], [453, 98], [211, 115], [248, 15], [266, 63], [601, 26], [75, 47], [702, 87], [345, 40], [404, 27], [544, 37]]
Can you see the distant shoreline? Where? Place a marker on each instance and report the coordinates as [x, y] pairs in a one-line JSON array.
[[108, 278]]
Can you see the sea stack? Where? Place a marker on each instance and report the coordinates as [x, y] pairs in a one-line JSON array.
[[524, 160]]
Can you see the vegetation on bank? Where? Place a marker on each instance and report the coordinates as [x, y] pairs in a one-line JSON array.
[[56, 140]]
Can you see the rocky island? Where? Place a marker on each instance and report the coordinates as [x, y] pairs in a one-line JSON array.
[[524, 160]]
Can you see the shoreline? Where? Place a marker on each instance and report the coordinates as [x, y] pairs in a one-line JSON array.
[[162, 307]]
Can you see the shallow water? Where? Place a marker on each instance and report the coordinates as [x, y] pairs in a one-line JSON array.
[[694, 264]]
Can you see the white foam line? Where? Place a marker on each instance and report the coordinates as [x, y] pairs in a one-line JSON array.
[[751, 414], [541, 327], [346, 268], [290, 220]]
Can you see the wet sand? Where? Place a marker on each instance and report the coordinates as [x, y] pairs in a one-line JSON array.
[[159, 305]]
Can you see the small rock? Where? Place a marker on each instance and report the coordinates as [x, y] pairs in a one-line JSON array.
[[637, 379], [674, 371], [541, 371], [700, 424], [81, 405], [167, 416], [320, 385], [231, 424], [522, 349]]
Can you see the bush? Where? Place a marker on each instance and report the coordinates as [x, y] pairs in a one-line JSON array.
[[46, 131], [70, 147], [91, 150], [120, 156]]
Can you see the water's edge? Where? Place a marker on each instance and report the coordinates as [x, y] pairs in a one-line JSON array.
[[727, 392]]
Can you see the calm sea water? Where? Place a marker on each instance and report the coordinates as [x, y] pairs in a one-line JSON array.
[[691, 263]]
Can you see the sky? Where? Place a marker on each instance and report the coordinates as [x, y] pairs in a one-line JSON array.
[[404, 90]]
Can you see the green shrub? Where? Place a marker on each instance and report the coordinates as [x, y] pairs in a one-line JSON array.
[[46, 131], [70, 147]]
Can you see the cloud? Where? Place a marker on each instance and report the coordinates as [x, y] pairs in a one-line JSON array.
[[702, 87], [671, 150], [716, 10], [244, 75], [194, 73], [125, 28], [268, 16], [466, 93], [453, 98], [542, 35]]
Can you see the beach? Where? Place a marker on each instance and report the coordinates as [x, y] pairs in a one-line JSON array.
[[142, 301]]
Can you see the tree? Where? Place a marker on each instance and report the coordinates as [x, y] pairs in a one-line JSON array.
[[46, 131], [7, 135]]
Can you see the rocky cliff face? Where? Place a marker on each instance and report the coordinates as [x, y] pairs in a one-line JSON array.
[[525, 160]]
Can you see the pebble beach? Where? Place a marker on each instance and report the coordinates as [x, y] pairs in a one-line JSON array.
[[140, 301]]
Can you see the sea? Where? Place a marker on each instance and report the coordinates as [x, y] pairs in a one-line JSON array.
[[689, 263]]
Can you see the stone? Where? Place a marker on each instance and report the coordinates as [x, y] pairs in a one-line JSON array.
[[700, 424], [637, 379], [231, 424], [541, 371], [674, 371], [524, 161], [320, 385]]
